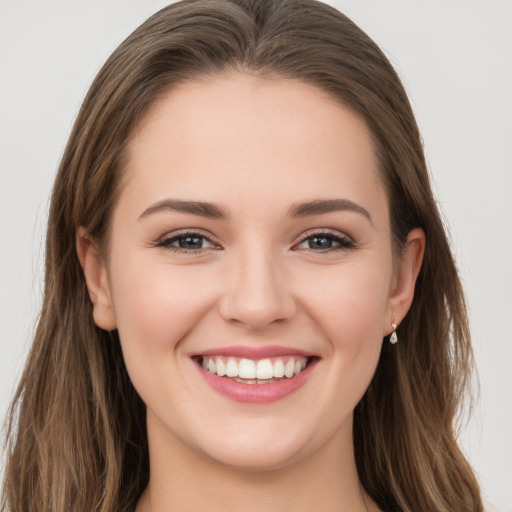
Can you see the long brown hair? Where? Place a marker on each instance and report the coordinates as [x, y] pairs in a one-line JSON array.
[[77, 438]]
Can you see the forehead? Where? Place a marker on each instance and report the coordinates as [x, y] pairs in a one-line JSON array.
[[249, 136]]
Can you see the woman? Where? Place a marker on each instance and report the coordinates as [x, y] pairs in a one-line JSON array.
[[241, 230]]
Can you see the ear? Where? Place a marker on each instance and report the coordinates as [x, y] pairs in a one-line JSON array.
[[95, 273], [404, 280]]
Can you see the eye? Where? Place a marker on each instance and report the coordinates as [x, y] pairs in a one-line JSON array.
[[325, 241], [187, 242]]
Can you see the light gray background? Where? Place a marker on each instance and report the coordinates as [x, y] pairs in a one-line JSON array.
[[455, 58]]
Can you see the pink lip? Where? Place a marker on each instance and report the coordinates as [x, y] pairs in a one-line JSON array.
[[257, 393], [254, 352]]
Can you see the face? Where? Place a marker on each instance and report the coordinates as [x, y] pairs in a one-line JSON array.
[[250, 270]]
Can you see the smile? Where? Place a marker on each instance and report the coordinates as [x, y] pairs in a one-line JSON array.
[[247, 371], [247, 376]]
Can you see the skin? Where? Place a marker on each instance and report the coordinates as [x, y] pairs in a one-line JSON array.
[[254, 147]]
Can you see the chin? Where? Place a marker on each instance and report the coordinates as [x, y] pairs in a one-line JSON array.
[[262, 444], [254, 458]]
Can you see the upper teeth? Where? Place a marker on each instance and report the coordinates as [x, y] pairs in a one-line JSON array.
[[248, 369]]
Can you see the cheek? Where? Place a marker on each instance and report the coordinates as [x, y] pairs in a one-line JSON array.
[[156, 306], [351, 313], [350, 305]]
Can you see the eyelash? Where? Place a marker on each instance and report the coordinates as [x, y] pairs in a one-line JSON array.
[[166, 242], [344, 242]]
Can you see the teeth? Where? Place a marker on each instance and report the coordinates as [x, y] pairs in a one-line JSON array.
[[289, 368], [246, 369], [264, 369], [261, 371], [232, 368], [221, 367], [279, 368]]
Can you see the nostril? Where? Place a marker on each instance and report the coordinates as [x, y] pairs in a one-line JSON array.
[[259, 302]]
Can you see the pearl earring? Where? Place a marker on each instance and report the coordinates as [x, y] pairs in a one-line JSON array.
[[393, 338]]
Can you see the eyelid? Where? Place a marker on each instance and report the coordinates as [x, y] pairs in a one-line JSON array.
[[166, 240], [345, 241]]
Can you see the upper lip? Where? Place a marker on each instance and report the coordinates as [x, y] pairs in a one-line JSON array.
[[253, 352]]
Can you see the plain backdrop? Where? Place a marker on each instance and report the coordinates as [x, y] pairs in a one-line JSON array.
[[455, 58]]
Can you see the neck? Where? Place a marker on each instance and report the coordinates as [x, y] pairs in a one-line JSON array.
[[183, 479]]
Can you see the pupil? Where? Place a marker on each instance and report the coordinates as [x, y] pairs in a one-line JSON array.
[[191, 242], [320, 242]]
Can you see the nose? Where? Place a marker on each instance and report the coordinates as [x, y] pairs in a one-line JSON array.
[[257, 293]]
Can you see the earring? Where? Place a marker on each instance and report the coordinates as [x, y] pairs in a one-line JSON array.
[[393, 338]]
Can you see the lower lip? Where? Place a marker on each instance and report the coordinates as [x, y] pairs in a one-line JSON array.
[[257, 393]]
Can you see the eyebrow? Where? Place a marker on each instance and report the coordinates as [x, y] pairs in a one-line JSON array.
[[321, 206], [213, 211], [200, 208]]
